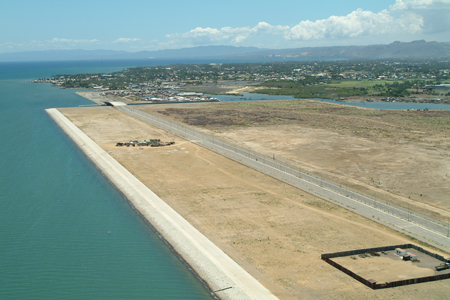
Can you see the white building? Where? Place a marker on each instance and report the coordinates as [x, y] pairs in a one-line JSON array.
[[400, 251]]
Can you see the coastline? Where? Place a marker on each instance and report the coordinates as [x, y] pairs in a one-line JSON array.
[[218, 270], [91, 97]]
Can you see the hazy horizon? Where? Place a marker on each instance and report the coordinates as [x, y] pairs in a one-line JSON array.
[[139, 26]]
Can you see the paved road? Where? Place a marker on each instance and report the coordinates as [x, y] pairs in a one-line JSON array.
[[223, 275], [398, 218]]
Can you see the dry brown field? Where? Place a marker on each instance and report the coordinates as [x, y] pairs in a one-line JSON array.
[[391, 267], [399, 156], [276, 232]]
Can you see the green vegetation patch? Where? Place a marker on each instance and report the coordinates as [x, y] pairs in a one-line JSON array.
[[314, 88]]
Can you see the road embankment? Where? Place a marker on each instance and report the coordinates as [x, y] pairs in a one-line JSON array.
[[217, 269]]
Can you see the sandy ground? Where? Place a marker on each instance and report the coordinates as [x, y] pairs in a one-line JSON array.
[[276, 232], [405, 164], [384, 169], [391, 267], [223, 275], [243, 89], [384, 269]]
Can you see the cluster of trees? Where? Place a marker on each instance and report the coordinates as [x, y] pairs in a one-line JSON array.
[[315, 87], [303, 89]]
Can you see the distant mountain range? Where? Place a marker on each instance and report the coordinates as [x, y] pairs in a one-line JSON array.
[[196, 52], [396, 50]]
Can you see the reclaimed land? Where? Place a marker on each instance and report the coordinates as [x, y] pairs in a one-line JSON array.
[[222, 274], [274, 231], [399, 156]]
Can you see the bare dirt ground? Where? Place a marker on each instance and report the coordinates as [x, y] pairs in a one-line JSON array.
[[276, 232], [399, 156], [243, 89], [391, 267]]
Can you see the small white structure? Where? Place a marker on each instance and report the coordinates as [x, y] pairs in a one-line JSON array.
[[400, 251], [412, 256]]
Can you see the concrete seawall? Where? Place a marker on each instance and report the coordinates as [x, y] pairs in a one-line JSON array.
[[217, 269]]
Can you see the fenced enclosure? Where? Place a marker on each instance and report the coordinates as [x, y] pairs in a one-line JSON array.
[[328, 258]]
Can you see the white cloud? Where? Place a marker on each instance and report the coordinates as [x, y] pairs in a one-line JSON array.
[[420, 4], [403, 20], [127, 40], [234, 35], [358, 23], [72, 41], [411, 22], [434, 14]]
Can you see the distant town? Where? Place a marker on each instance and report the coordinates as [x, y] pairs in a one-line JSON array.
[[401, 81]]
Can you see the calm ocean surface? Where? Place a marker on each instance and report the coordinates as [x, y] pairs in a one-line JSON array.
[[54, 223]]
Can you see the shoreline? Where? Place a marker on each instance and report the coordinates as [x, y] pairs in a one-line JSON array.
[[89, 96], [213, 266]]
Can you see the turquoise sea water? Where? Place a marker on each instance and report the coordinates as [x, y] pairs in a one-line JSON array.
[[56, 208]]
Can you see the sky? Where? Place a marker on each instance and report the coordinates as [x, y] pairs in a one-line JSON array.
[[137, 25]]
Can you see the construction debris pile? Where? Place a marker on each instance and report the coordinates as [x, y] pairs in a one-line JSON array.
[[151, 143]]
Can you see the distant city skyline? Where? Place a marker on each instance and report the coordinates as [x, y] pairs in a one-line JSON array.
[[156, 25]]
